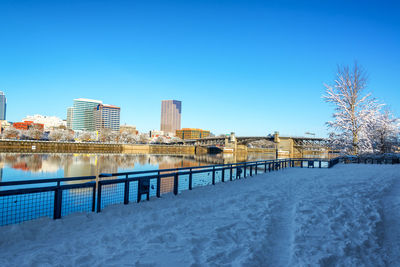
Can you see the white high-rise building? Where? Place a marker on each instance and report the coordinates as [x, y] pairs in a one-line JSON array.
[[107, 117], [83, 114]]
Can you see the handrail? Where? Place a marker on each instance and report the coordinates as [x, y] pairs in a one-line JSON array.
[[188, 168], [44, 189], [43, 181]]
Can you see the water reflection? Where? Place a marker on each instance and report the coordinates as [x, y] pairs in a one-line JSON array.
[[15, 166]]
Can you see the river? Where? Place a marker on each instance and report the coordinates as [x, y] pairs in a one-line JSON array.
[[18, 166]]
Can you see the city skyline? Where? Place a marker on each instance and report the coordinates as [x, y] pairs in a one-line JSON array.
[[255, 75]]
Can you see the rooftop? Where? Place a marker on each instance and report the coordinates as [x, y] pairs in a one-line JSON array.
[[89, 100]]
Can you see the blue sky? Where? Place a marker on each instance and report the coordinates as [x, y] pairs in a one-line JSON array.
[[252, 67]]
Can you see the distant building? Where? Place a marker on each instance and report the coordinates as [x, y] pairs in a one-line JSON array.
[[191, 133], [3, 106], [128, 129], [155, 134], [26, 125], [83, 114], [107, 117], [49, 122], [171, 115], [70, 114]]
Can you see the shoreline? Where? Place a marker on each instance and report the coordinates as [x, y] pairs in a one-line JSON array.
[[31, 146]]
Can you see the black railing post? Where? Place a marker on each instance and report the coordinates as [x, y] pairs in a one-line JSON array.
[[223, 175], [256, 168], [158, 184], [126, 190], [190, 179], [99, 197], [265, 167], [213, 175], [269, 167], [244, 172], [176, 183], [320, 164], [94, 198], [251, 170], [57, 201], [231, 173]]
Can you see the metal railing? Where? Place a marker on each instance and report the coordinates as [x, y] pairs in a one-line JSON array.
[[52, 198], [369, 160], [128, 187], [59, 197]]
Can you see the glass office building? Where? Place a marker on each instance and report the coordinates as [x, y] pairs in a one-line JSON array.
[[83, 114]]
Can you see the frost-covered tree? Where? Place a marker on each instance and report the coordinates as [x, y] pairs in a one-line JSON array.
[[11, 133], [60, 135], [34, 133], [144, 138], [105, 135], [129, 138], [86, 136], [383, 131], [56, 135], [353, 109]]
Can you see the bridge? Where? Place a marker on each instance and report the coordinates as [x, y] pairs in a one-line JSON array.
[[291, 145], [244, 140]]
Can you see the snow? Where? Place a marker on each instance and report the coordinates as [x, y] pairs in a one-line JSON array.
[[344, 216]]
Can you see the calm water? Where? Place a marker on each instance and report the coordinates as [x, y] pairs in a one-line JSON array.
[[14, 166]]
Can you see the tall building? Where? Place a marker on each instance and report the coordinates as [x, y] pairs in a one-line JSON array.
[[3, 106], [83, 114], [107, 117], [171, 115], [70, 114]]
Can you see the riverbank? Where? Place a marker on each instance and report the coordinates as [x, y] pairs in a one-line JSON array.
[[30, 146]]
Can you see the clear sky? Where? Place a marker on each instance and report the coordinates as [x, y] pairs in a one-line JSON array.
[[252, 67]]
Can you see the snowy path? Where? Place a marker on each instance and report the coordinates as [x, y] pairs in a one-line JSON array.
[[344, 216]]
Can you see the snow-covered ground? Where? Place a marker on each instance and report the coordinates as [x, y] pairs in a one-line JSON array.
[[348, 215]]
